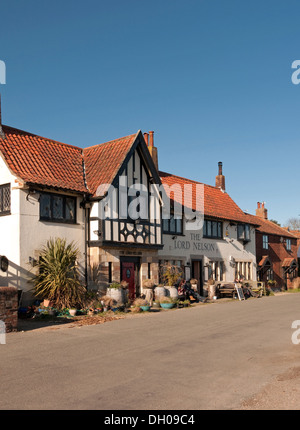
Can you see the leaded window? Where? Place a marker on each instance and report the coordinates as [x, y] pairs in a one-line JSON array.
[[5, 199], [58, 208]]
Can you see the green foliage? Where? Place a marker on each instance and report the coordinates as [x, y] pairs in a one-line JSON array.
[[171, 274], [58, 276], [116, 285]]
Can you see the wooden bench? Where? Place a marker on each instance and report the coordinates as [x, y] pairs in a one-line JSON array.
[[227, 292], [226, 289]]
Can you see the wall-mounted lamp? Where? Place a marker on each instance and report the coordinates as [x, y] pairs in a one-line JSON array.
[[174, 237], [97, 233], [4, 263], [32, 261]]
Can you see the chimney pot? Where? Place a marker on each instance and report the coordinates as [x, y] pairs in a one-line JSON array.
[[220, 164], [146, 137], [151, 142], [220, 178], [261, 211]]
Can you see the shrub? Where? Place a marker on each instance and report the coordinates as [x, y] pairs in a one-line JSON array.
[[116, 285], [148, 283], [58, 276], [171, 274], [166, 299], [140, 302]]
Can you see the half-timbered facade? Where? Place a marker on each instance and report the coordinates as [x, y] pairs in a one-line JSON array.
[[125, 228]]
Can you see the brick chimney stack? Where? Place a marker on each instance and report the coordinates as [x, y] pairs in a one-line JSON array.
[[149, 139], [261, 211], [220, 178]]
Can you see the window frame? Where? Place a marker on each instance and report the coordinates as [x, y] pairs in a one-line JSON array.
[[265, 241], [178, 225], [243, 232], [64, 198], [288, 244], [8, 211], [213, 226]]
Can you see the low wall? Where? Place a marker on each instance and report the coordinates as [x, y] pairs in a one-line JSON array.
[[9, 307]]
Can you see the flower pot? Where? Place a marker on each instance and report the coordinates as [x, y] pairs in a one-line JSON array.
[[72, 312], [160, 292], [167, 305], [145, 308], [117, 294], [173, 292]]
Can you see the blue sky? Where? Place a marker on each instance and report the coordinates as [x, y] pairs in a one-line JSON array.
[[212, 78]]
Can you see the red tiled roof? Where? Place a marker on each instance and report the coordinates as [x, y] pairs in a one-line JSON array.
[[102, 162], [287, 262], [295, 233], [38, 160], [217, 204], [269, 227], [264, 260]]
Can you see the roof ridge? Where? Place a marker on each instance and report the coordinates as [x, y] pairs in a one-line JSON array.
[[192, 180], [110, 141], [274, 225], [181, 177], [42, 137]]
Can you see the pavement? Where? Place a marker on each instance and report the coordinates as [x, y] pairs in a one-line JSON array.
[[230, 355]]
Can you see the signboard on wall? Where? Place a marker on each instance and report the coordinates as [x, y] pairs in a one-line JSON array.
[[187, 272]]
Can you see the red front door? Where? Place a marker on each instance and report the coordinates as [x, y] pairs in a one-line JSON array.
[[128, 276]]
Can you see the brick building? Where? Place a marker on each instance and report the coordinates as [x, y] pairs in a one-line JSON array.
[[276, 251]]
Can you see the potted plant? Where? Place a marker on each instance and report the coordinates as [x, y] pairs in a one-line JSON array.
[[116, 291], [160, 291], [186, 303], [166, 302], [107, 303], [142, 303], [148, 286], [171, 275]]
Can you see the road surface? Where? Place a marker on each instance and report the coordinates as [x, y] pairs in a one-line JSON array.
[[233, 355]]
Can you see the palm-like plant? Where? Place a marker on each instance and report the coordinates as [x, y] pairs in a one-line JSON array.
[[58, 276]]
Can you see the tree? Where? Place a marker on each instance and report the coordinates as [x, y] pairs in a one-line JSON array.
[[58, 276], [275, 222], [293, 223]]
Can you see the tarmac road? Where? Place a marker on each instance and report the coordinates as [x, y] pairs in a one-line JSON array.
[[233, 355]]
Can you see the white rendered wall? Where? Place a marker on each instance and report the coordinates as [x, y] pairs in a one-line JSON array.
[[192, 246], [9, 231]]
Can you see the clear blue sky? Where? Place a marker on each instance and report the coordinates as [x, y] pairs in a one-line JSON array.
[[212, 78]]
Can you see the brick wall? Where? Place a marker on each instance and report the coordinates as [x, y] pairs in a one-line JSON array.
[[9, 307], [277, 252]]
